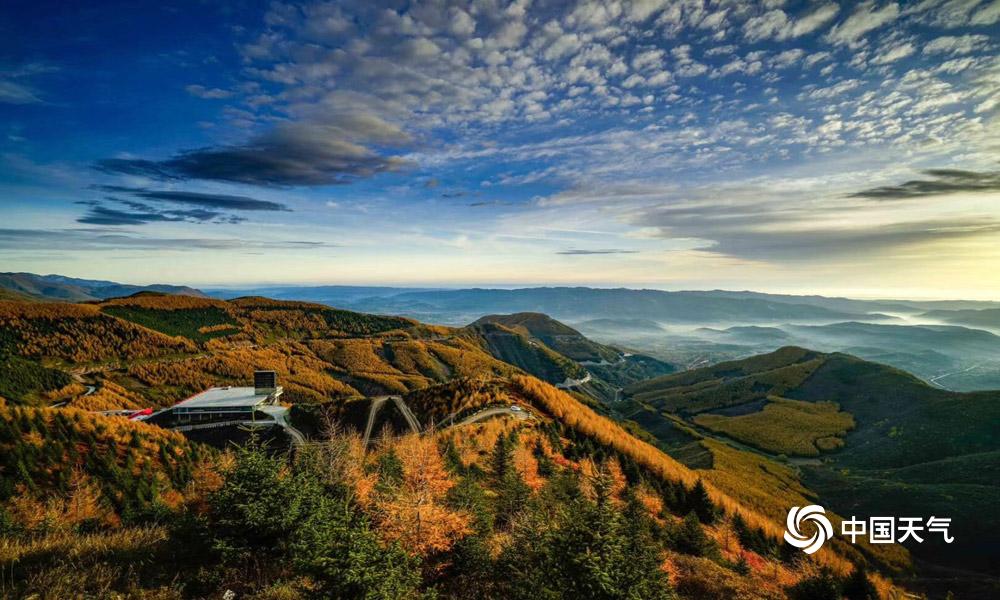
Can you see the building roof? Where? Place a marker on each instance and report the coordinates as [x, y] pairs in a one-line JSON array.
[[225, 397]]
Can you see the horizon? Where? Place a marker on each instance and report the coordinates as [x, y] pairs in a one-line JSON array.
[[250, 286], [790, 147]]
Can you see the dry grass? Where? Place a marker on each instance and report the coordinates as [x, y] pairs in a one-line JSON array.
[[791, 427]]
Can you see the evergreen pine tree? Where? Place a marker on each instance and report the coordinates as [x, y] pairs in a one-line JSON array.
[[821, 586], [857, 586], [689, 537], [701, 504]]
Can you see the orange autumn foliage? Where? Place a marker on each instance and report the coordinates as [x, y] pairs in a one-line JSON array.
[[414, 513], [527, 465], [82, 503], [79, 333], [109, 396], [574, 414]]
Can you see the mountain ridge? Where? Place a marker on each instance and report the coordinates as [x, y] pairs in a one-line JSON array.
[[71, 289]]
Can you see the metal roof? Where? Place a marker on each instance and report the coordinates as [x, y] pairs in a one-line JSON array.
[[224, 397]]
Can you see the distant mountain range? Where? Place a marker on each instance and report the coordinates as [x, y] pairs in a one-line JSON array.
[[988, 318], [949, 356], [576, 304], [25, 286], [571, 304]]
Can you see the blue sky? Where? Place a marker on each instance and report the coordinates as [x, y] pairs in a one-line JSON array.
[[782, 146]]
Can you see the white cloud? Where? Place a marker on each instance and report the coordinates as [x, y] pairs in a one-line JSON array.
[[787, 58], [865, 18], [957, 13], [12, 92], [461, 23], [634, 80], [640, 10], [834, 90], [816, 57], [962, 44], [987, 15], [765, 26], [567, 43], [989, 104], [812, 21], [776, 23], [894, 53], [687, 66], [649, 59], [14, 89]]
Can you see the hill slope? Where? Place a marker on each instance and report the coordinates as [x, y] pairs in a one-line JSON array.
[[609, 365], [557, 336], [879, 429], [153, 349]]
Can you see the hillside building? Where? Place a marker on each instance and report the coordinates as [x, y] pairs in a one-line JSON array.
[[254, 407]]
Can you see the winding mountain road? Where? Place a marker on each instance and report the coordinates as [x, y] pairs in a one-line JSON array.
[[493, 412], [376, 406], [573, 382], [934, 380]]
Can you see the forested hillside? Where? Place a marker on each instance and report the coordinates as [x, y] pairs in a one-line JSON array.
[[558, 353], [504, 460], [878, 432], [500, 508]]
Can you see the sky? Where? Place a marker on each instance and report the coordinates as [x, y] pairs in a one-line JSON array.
[[806, 147]]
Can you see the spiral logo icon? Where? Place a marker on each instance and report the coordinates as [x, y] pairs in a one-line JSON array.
[[797, 517]]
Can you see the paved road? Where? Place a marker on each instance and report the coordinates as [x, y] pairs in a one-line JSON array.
[[603, 363], [411, 420], [573, 382], [376, 406], [934, 380], [492, 412], [373, 409]]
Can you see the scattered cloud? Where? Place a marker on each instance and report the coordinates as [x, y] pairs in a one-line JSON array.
[[866, 17], [893, 53], [951, 14], [215, 201], [102, 239], [942, 182], [485, 203], [583, 252], [776, 24], [598, 115], [201, 91], [145, 206], [139, 214], [960, 44], [291, 154], [16, 86]]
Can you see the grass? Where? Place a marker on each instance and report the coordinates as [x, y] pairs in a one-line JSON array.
[[790, 427], [74, 565]]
